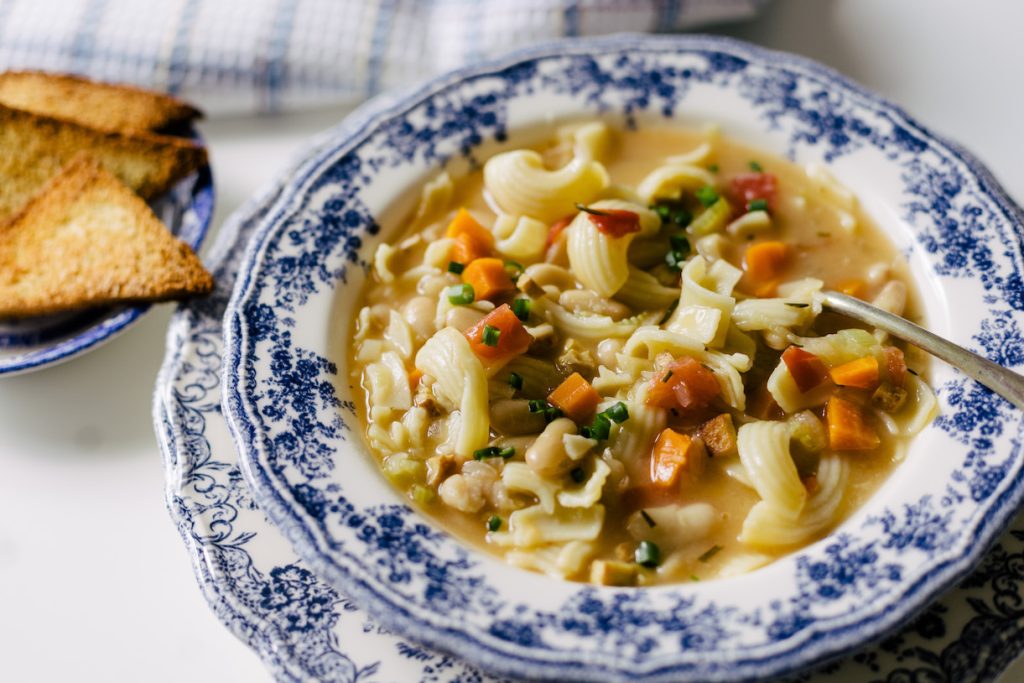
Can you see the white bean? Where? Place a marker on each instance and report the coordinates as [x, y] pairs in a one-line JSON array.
[[419, 313], [547, 455], [606, 352]]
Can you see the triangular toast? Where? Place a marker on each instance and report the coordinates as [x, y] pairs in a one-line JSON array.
[[34, 148], [87, 240], [100, 105]]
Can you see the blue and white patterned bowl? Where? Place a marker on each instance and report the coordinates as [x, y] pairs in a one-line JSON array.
[[291, 412], [36, 343]]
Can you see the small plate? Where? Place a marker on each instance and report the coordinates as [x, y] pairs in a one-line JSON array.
[[36, 343], [303, 629], [291, 412]]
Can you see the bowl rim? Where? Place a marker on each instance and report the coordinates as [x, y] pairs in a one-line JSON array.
[[909, 596], [114, 320]]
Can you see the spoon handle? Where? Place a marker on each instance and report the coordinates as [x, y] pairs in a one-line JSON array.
[[1006, 383]]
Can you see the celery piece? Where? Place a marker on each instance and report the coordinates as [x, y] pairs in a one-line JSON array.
[[713, 219]]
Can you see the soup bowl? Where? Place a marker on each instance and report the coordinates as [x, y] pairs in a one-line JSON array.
[[291, 407]]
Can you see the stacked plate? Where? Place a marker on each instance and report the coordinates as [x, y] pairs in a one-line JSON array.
[[312, 559]]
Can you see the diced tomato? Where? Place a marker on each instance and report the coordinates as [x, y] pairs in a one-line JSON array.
[[746, 187], [556, 229], [615, 222], [685, 383], [808, 370], [896, 365]]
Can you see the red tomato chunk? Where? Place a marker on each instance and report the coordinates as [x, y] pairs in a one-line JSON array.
[[685, 383], [615, 222], [746, 187]]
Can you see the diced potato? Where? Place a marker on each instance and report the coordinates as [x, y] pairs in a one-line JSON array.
[[719, 436], [613, 573]]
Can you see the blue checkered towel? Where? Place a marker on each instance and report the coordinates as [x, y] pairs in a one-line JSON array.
[[233, 56]]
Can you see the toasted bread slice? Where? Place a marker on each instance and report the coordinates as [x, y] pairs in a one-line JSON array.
[[100, 105], [87, 240], [34, 148]]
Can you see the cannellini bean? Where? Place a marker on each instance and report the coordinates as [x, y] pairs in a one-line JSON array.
[[463, 317], [419, 313], [547, 456], [606, 352], [892, 298], [512, 417], [459, 492], [431, 285]]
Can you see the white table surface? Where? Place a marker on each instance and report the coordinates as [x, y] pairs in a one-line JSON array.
[[95, 584]]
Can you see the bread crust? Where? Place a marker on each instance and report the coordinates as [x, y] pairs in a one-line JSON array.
[[87, 240]]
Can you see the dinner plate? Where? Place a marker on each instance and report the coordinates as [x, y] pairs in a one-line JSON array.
[[36, 343], [304, 630], [291, 412]]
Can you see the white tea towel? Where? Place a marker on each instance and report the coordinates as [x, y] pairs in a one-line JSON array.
[[232, 56]]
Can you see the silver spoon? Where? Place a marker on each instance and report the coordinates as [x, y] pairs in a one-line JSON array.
[[1006, 383]]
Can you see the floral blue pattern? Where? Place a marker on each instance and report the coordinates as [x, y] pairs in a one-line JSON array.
[[36, 343], [970, 634], [839, 593]]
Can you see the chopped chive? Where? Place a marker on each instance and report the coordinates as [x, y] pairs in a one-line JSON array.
[[757, 205], [682, 217], [707, 195], [675, 260], [600, 428], [713, 168], [507, 452], [592, 212], [585, 432], [648, 519], [912, 371], [668, 376], [491, 335], [515, 380], [488, 452], [460, 295], [552, 413], [455, 267], [537, 406], [663, 211], [668, 312], [618, 413], [796, 305], [755, 166], [521, 307], [494, 523], [709, 553], [647, 555], [514, 269], [578, 475], [679, 242]]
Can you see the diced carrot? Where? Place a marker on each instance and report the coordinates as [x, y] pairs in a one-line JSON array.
[[575, 397], [764, 261], [556, 228], [684, 383], [808, 370], [861, 373], [766, 289], [895, 365], [847, 428], [472, 240], [854, 287], [488, 277], [673, 455], [512, 337], [415, 375]]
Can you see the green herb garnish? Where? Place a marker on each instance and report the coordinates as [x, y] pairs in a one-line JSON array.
[[455, 267], [682, 217], [460, 295], [618, 413], [551, 413], [521, 307], [648, 519], [757, 205], [507, 452], [713, 168], [494, 523], [755, 166], [491, 335], [536, 405], [647, 555], [514, 269], [515, 380], [494, 452], [599, 429], [709, 553], [707, 195], [664, 211]]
